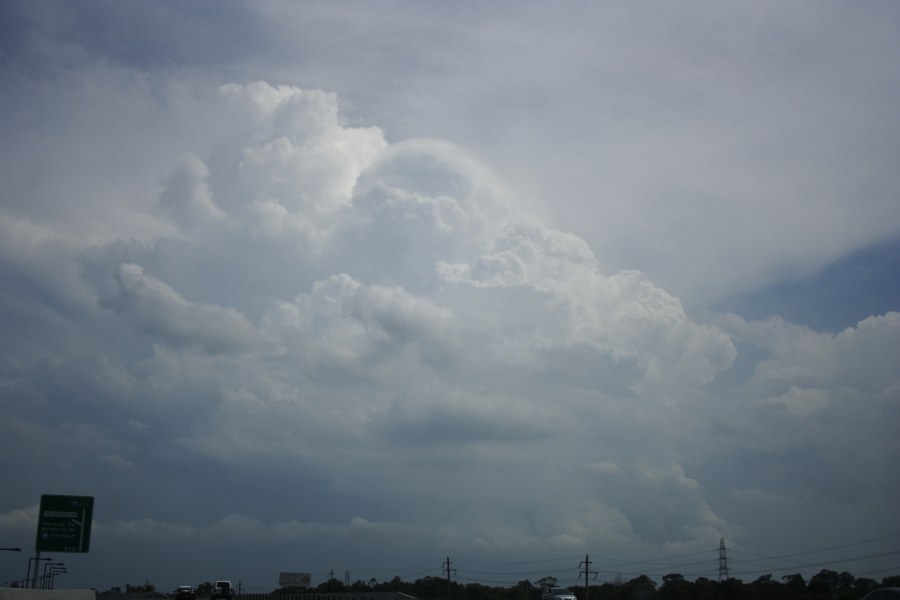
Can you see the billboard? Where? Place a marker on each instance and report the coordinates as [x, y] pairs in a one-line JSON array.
[[64, 523], [286, 579]]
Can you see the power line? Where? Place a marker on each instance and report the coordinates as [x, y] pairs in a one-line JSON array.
[[826, 562], [828, 549], [569, 558]]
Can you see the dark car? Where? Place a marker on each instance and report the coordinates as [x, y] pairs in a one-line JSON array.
[[185, 592], [883, 594]]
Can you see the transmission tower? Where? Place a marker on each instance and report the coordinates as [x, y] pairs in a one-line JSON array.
[[723, 561]]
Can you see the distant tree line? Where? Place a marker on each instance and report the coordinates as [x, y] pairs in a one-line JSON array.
[[825, 585]]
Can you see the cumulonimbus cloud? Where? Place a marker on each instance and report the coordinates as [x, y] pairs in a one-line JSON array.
[[369, 317]]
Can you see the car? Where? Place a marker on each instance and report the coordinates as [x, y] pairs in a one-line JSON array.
[[558, 594], [883, 594], [222, 589], [184, 592]]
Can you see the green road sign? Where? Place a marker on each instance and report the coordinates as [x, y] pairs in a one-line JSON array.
[[64, 524]]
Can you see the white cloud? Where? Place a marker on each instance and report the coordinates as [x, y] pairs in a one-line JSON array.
[[21, 516], [186, 196], [858, 357], [383, 348], [343, 320], [39, 259], [117, 461], [296, 151], [421, 202], [623, 316], [159, 311]]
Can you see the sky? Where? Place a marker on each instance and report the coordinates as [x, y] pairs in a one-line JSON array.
[[364, 287]]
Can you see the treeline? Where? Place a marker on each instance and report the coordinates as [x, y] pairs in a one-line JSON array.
[[825, 585]]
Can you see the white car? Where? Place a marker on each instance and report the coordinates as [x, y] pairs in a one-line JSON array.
[[558, 594], [883, 594], [222, 589]]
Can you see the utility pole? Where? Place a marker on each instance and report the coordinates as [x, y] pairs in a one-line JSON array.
[[723, 561], [449, 572], [587, 571]]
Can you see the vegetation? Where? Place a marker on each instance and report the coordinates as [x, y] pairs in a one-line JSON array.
[[140, 589], [825, 585]]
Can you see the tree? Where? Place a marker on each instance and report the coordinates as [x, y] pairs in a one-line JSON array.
[[848, 581], [825, 580], [524, 590], [331, 586], [795, 582], [864, 585], [204, 589], [140, 589], [639, 588], [674, 587], [431, 587], [362, 586], [763, 588], [704, 588], [548, 582]]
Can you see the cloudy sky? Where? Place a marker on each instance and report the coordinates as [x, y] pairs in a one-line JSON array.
[[364, 286]]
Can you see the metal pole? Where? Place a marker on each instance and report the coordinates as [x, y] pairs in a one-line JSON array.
[[37, 565], [53, 574], [587, 566], [44, 576], [49, 568]]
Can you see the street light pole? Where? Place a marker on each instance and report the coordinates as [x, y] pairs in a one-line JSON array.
[[44, 577], [37, 563], [53, 573]]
